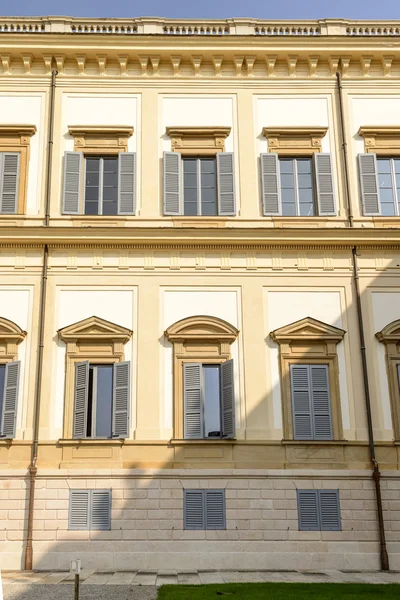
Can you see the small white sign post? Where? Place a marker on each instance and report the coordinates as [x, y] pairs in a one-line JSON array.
[[75, 568]]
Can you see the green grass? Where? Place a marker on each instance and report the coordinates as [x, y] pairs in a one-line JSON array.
[[280, 591]]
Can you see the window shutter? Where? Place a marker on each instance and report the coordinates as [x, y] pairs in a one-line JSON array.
[[228, 399], [325, 187], [10, 399], [79, 509], [270, 184], [321, 405], [172, 183], [127, 183], [369, 184], [215, 509], [307, 508], [81, 399], [71, 200], [121, 396], [301, 402], [9, 182], [193, 420], [329, 510], [226, 183], [100, 510], [193, 509]]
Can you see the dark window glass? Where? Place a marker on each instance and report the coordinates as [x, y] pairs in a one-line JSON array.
[[199, 186], [208, 184], [92, 186], [110, 186], [101, 185], [212, 409], [99, 415], [190, 191], [297, 186], [389, 185], [2, 380]]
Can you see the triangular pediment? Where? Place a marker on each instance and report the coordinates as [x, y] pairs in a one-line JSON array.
[[390, 333], [10, 330], [94, 328], [202, 327], [307, 329]]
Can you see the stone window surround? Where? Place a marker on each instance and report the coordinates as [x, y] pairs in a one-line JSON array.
[[93, 339], [202, 339], [381, 140], [17, 138], [309, 341], [11, 335], [294, 141], [390, 337], [198, 141], [100, 139]]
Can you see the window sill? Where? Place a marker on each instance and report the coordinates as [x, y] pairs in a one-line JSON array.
[[314, 442], [91, 442], [202, 442], [200, 221], [6, 442]]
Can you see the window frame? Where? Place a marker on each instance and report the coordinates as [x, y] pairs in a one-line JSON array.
[[319, 516], [204, 493], [17, 139], [390, 337], [198, 160], [100, 202], [295, 159], [396, 199]]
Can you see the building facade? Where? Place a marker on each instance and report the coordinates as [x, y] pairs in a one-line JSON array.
[[199, 294]]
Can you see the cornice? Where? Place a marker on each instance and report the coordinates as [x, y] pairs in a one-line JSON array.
[[17, 130], [103, 130]]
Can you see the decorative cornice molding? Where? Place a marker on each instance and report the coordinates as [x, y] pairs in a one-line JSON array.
[[286, 140], [94, 329], [98, 138], [198, 140], [381, 139], [202, 328], [308, 330]]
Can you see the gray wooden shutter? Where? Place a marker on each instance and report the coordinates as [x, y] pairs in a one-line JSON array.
[[172, 183], [81, 399], [321, 405], [71, 198], [10, 399], [9, 182], [192, 393], [100, 510], [325, 186], [228, 399], [127, 183], [215, 509], [78, 517], [193, 509], [270, 184], [121, 388], [301, 402], [329, 507], [369, 184], [226, 183], [307, 509]]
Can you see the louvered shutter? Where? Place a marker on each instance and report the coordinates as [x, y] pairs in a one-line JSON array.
[[325, 186], [321, 405], [193, 418], [215, 509], [226, 183], [301, 402], [100, 510], [9, 182], [71, 199], [329, 510], [81, 399], [307, 508], [121, 397], [172, 183], [369, 184], [270, 184], [193, 509], [10, 399], [79, 502], [228, 399], [127, 183]]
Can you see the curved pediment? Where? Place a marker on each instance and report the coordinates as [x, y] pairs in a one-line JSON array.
[[11, 331], [94, 328], [307, 329], [202, 328], [390, 333]]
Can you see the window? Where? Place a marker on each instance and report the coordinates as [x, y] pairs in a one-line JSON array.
[[318, 510], [390, 337], [199, 186], [204, 509], [310, 402], [10, 337], [389, 185], [297, 185], [101, 185], [14, 162], [89, 510]]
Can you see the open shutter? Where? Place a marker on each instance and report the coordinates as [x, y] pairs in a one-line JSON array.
[[127, 183], [228, 399], [100, 509], [369, 184], [215, 509], [307, 508], [121, 399], [226, 183], [81, 399], [193, 418], [193, 509], [10, 399], [172, 183], [301, 402], [329, 510], [270, 184], [9, 180], [79, 509], [325, 187], [321, 405], [71, 199]]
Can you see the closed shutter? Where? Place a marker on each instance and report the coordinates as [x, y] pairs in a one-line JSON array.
[[9, 182], [10, 399], [172, 183], [100, 510], [193, 418], [127, 183], [121, 397], [79, 502], [369, 184], [329, 510], [270, 184], [307, 508], [71, 199], [81, 399], [321, 405], [215, 509], [226, 183], [325, 187], [301, 402], [228, 399], [193, 509]]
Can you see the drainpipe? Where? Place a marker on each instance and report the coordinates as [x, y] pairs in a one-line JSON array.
[[376, 475], [54, 74]]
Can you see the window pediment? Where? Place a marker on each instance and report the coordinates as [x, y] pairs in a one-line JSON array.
[[294, 140], [97, 139], [381, 140], [198, 141], [308, 329], [10, 336], [95, 328], [202, 328], [390, 333]]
